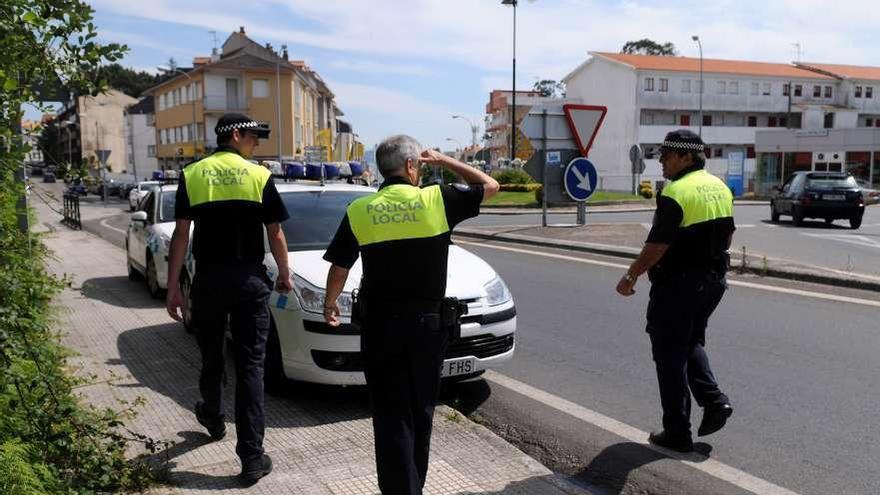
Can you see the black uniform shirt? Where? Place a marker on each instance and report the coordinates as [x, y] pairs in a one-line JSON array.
[[698, 247], [230, 231], [407, 269]]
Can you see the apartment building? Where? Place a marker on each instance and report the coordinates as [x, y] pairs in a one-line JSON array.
[[648, 96], [498, 122], [30, 132], [248, 78], [848, 140], [140, 138], [90, 123]]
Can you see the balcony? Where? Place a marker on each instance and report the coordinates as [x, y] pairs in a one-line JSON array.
[[221, 105], [711, 134]]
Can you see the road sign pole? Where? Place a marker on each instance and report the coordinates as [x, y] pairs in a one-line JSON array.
[[582, 213], [544, 163]]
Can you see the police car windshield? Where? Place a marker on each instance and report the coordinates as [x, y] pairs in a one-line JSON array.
[[166, 206], [314, 217]]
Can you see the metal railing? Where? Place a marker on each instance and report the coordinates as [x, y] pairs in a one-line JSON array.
[[71, 211]]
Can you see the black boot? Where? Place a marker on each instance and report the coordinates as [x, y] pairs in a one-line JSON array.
[[678, 443], [714, 418]]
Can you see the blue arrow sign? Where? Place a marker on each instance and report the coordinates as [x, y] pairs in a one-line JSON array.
[[580, 179]]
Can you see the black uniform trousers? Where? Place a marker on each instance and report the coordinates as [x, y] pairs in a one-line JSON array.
[[238, 295], [678, 312], [403, 354]]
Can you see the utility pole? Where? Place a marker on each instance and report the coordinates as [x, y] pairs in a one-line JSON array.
[[513, 109], [697, 39]]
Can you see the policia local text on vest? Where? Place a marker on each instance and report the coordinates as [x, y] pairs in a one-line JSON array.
[[402, 233]]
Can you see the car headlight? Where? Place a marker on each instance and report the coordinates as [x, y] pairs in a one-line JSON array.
[[497, 292], [311, 298]]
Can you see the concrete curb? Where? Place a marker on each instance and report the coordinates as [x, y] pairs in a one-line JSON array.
[[753, 264]]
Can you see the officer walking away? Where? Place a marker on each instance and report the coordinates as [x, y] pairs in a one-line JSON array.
[[230, 200], [686, 258], [403, 233]]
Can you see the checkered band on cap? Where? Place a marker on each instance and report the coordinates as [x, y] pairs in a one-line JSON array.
[[238, 125], [681, 145]]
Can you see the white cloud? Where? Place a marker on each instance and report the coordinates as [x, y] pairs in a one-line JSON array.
[[378, 68]]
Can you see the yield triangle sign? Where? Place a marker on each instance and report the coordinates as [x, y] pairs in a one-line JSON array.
[[584, 122]]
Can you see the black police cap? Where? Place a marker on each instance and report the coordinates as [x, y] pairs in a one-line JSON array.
[[683, 140], [231, 121]]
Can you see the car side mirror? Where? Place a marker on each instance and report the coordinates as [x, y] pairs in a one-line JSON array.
[[139, 216]]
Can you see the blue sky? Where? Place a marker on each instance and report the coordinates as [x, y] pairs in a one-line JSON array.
[[406, 66]]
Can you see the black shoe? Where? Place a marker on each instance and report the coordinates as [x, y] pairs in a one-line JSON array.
[[252, 471], [216, 426], [714, 418], [677, 443]]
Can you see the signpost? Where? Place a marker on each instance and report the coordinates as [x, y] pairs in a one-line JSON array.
[[103, 155], [638, 164], [735, 164]]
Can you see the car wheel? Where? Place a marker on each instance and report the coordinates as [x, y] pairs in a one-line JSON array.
[[774, 215], [152, 278], [133, 274], [274, 379], [186, 290], [855, 222], [797, 216]]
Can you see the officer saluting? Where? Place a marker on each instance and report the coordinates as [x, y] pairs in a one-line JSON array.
[[230, 200], [686, 259], [403, 233]]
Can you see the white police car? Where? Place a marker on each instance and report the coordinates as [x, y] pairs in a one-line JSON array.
[[149, 236], [138, 192], [303, 347]]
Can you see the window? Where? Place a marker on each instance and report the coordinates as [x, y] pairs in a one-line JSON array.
[[750, 152], [766, 89], [163, 136], [786, 89], [828, 91], [755, 88], [151, 150], [260, 88], [174, 100], [733, 88], [647, 118], [707, 120], [151, 119], [200, 131], [869, 122], [664, 85], [188, 96], [771, 121], [161, 102], [869, 92], [829, 120], [684, 120], [783, 121], [858, 91], [753, 121], [685, 85], [176, 135], [718, 152], [722, 87], [798, 90], [649, 84], [817, 91]]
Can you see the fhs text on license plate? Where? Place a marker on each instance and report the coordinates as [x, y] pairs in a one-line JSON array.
[[455, 367]]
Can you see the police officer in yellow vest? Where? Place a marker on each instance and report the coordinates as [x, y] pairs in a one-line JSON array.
[[686, 258], [403, 233], [230, 200]]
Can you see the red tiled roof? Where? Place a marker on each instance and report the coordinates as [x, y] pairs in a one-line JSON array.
[[846, 71], [687, 64]]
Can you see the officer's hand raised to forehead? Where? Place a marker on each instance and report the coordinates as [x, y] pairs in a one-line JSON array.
[[432, 157]]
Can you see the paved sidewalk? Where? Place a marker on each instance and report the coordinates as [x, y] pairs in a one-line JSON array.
[[320, 438]]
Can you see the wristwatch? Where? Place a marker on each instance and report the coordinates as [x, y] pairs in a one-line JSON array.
[[629, 277]]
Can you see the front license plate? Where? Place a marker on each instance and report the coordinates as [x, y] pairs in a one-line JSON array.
[[460, 366], [834, 197]]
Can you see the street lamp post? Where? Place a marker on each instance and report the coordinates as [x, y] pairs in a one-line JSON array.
[[195, 129], [461, 146], [700, 45], [474, 129], [513, 107]]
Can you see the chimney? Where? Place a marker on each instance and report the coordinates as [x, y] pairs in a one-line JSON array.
[[240, 29], [284, 52]]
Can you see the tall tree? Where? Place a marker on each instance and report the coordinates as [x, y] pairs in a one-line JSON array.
[[648, 47], [549, 87], [131, 82]]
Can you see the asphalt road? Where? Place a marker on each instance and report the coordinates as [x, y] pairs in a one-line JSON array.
[[833, 246], [802, 374]]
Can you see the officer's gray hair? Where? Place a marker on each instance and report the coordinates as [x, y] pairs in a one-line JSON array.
[[393, 152]]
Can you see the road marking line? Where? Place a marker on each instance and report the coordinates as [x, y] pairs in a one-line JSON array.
[[737, 283], [105, 224], [709, 466]]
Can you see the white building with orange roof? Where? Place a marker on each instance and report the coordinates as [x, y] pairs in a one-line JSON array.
[[648, 96]]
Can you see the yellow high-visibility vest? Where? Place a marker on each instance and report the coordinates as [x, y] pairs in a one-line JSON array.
[[225, 176], [701, 196], [397, 212]]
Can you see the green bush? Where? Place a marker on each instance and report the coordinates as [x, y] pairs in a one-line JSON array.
[[512, 176], [539, 194], [520, 187]]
